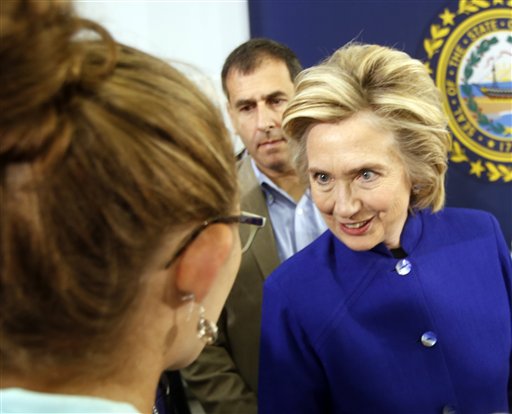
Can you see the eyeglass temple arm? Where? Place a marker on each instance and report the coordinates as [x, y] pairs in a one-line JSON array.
[[254, 219]]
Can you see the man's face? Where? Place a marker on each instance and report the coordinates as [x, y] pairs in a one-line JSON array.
[[256, 105]]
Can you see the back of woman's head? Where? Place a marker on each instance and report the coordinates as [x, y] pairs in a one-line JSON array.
[[103, 151], [396, 88]]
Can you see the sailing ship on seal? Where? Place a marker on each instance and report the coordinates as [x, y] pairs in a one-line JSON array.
[[495, 92]]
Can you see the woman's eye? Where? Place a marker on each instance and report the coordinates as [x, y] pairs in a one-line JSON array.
[[321, 178], [367, 175]]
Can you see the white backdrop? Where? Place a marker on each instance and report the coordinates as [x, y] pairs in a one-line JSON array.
[[200, 33]]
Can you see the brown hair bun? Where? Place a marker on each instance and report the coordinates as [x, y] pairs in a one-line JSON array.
[[41, 61]]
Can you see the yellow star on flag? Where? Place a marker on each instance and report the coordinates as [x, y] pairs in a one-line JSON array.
[[447, 17], [477, 168]]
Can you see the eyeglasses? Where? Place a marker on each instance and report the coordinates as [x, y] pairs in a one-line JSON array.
[[249, 226]]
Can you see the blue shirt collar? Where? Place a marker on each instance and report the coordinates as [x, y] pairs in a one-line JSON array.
[[269, 186]]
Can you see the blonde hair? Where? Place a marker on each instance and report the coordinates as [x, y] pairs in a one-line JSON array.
[[393, 86], [104, 152]]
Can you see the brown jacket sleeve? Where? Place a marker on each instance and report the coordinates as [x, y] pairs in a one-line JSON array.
[[225, 376], [215, 380]]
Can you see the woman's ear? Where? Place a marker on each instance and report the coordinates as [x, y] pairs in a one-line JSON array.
[[200, 264]]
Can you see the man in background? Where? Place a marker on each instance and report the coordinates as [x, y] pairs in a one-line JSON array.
[[257, 79]]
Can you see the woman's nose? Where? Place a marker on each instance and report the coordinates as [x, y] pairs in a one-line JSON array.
[[346, 202]]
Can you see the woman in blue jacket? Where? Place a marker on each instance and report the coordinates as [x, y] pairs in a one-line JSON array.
[[403, 306]]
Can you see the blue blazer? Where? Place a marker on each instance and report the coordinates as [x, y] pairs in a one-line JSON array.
[[363, 332]]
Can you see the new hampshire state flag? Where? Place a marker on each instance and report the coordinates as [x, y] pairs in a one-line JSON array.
[[466, 45]]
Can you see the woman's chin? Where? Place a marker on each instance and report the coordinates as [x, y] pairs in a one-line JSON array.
[[358, 243], [184, 360]]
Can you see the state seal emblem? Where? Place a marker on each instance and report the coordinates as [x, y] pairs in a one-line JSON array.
[[469, 54]]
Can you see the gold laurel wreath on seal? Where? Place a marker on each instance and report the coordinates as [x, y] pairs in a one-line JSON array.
[[431, 45]]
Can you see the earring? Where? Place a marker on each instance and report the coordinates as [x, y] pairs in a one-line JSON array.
[[207, 330], [415, 189], [189, 297]]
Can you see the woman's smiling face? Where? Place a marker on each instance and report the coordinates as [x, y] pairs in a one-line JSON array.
[[358, 181]]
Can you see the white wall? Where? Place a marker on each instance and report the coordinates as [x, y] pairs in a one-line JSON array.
[[198, 33]]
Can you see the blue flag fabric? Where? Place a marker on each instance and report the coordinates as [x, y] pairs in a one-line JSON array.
[[467, 46]]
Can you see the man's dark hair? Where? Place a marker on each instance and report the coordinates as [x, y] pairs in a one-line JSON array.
[[248, 56]]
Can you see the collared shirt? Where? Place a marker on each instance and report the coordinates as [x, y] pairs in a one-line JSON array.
[[17, 400], [295, 224]]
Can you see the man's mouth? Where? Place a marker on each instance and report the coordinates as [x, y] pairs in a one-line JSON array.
[[271, 142]]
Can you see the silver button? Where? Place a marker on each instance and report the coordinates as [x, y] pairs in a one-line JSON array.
[[449, 409], [429, 339], [403, 267]]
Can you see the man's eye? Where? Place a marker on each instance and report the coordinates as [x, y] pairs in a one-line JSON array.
[[277, 101]]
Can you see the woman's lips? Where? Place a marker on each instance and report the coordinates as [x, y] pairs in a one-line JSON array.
[[356, 228]]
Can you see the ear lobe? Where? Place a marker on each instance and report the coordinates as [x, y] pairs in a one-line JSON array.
[[199, 265]]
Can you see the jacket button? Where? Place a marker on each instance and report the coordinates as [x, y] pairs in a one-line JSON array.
[[429, 339], [403, 267]]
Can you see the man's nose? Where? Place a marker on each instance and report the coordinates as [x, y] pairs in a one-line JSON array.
[[266, 118]]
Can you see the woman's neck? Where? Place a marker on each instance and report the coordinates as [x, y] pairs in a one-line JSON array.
[[134, 384]]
